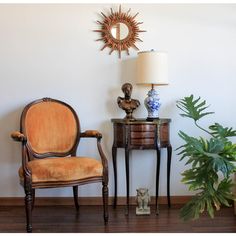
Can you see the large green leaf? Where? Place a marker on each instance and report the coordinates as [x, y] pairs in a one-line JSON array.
[[208, 200], [215, 146], [193, 108], [219, 131]]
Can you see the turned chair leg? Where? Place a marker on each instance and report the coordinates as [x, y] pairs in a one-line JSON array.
[[75, 193], [28, 209], [105, 202], [33, 198]]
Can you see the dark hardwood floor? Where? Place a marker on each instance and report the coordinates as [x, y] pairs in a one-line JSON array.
[[65, 219]]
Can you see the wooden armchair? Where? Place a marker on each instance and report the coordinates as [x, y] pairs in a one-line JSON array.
[[50, 134]]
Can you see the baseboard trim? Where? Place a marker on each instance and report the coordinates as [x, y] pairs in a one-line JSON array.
[[59, 201]]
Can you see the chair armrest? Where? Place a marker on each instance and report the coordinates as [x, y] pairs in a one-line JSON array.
[[98, 135], [91, 134], [18, 136]]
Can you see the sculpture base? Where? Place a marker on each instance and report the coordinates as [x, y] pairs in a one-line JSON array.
[[142, 211]]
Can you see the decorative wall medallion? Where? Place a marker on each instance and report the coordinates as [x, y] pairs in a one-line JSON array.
[[119, 31]]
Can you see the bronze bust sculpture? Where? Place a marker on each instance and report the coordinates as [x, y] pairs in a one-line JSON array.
[[127, 103]]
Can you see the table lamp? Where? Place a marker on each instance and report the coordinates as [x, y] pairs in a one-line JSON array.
[[152, 69]]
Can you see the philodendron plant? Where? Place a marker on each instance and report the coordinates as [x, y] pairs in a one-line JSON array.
[[211, 162]]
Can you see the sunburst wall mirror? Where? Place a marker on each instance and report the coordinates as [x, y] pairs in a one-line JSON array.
[[119, 31]]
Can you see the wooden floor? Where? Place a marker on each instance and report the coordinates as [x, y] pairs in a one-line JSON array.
[[65, 219]]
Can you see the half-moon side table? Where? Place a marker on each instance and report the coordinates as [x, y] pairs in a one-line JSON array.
[[141, 134]]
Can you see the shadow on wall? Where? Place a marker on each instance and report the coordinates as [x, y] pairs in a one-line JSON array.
[[10, 151], [107, 138], [107, 142], [128, 71], [168, 109]]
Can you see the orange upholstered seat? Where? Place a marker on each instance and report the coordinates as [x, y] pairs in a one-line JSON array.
[[63, 169]]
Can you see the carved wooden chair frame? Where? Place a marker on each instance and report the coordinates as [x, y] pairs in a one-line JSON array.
[[28, 154]]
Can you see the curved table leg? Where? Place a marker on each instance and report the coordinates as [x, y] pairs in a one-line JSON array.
[[127, 179], [157, 179], [169, 153], [114, 154]]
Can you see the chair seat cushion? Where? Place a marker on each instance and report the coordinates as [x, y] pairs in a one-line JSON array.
[[63, 169]]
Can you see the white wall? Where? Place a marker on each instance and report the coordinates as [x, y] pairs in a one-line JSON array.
[[50, 50]]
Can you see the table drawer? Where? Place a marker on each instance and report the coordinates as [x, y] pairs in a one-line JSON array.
[[143, 128], [142, 142], [142, 135], [135, 135]]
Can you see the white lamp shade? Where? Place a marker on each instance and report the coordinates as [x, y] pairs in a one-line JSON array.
[[152, 68]]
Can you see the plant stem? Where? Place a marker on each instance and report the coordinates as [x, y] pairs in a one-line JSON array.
[[202, 128]]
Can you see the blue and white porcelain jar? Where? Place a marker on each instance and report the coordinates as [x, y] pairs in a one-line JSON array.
[[152, 104]]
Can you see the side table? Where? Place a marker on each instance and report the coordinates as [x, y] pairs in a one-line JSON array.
[[141, 134]]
